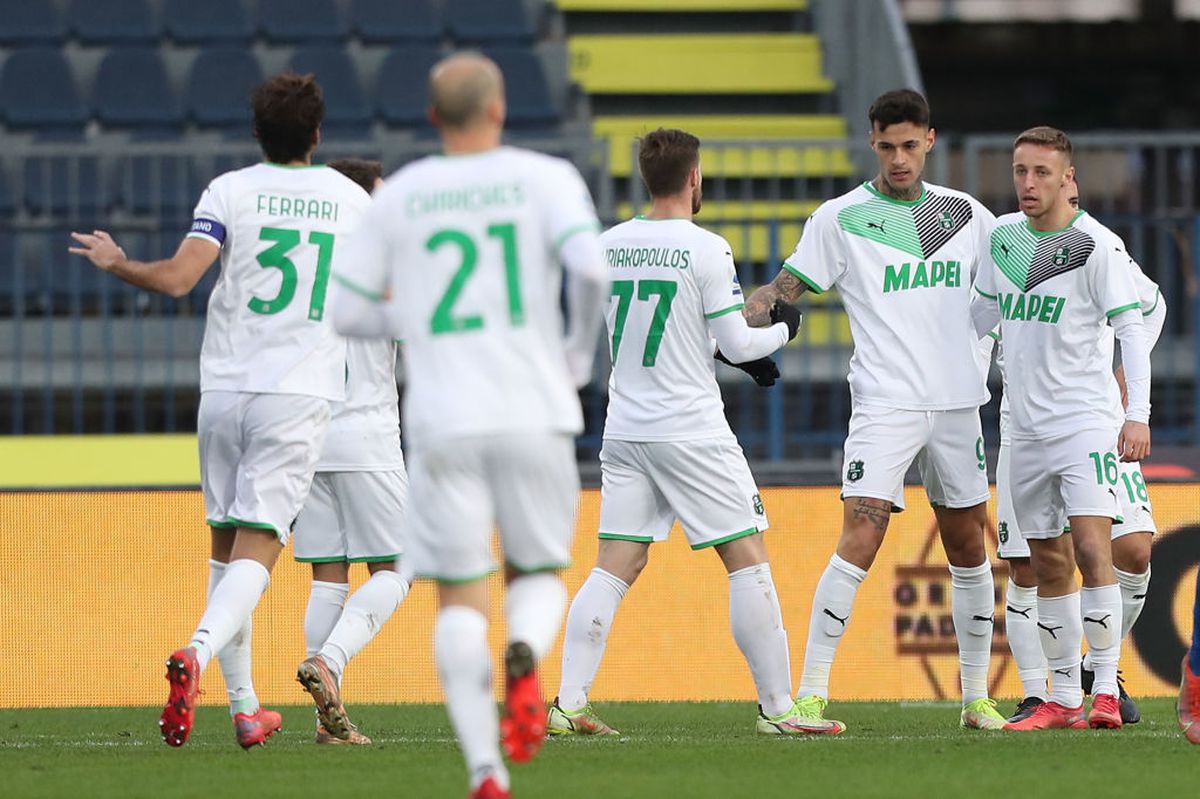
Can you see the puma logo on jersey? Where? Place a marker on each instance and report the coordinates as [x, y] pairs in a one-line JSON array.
[[877, 226], [1050, 630], [1022, 613], [1102, 621], [833, 616], [1004, 248]]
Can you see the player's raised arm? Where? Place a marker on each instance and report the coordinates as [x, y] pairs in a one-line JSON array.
[[174, 276]]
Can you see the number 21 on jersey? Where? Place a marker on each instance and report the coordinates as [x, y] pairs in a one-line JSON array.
[[444, 318]]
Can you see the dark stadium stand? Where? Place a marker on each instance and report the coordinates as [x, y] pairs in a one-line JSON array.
[[132, 92], [220, 83], [113, 22], [64, 187], [55, 107], [478, 21], [388, 22], [346, 110], [301, 21], [401, 89], [25, 23], [210, 22]]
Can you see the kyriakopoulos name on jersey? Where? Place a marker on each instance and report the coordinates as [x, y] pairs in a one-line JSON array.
[[274, 205], [1031, 307], [945, 273], [470, 198], [649, 256]]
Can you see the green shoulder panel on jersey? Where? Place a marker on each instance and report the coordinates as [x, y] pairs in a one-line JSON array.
[[884, 221], [1012, 250], [357, 289], [1122, 309], [724, 311], [571, 231], [808, 281]]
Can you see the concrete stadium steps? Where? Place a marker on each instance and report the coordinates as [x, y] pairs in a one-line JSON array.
[[754, 159], [683, 5], [699, 64]]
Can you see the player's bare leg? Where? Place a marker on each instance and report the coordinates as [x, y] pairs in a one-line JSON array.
[[589, 622], [973, 607], [1020, 624], [864, 524]]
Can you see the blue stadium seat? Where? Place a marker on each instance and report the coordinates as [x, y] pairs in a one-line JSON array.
[[25, 23], [402, 88], [492, 20], [8, 204], [219, 88], [210, 22], [132, 91], [387, 21], [55, 106], [157, 185], [301, 21], [346, 111], [64, 186], [532, 99], [113, 21]]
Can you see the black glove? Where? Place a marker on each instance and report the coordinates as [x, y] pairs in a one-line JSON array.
[[764, 371], [788, 314]]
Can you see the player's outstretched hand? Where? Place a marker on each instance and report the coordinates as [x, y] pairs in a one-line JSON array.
[[764, 371], [1134, 442], [788, 314], [99, 248]]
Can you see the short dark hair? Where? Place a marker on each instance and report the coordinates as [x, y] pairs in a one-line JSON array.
[[1046, 136], [288, 111], [899, 105], [360, 170], [665, 157]]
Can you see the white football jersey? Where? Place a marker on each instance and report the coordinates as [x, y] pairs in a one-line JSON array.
[[669, 277], [1149, 298], [904, 272], [364, 431], [281, 230], [464, 251], [1056, 291]]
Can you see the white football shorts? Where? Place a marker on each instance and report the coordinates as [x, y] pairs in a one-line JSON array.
[[706, 484], [354, 517], [1054, 479], [1136, 512], [527, 485], [258, 453], [948, 446]]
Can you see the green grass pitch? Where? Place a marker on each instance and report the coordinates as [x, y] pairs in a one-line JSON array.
[[667, 750]]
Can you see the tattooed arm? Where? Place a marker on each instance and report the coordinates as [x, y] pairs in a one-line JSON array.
[[785, 286]]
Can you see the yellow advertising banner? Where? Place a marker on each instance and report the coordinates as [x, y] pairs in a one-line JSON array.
[[99, 586]]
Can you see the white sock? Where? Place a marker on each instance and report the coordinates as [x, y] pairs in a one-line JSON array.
[[534, 606], [1101, 613], [325, 602], [366, 612], [465, 665], [758, 629], [1133, 597], [832, 603], [588, 623], [232, 603], [1061, 630], [1020, 623], [235, 658], [973, 606]]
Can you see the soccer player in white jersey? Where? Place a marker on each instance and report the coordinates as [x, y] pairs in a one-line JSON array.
[[1054, 279], [1131, 537], [459, 256], [668, 451], [902, 253], [270, 365], [354, 514]]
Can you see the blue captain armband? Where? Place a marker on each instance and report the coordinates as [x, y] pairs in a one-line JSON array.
[[208, 229]]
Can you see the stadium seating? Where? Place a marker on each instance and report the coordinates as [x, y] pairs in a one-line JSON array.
[[386, 21], [132, 91], [346, 109], [165, 186], [477, 21], [301, 21], [532, 99], [64, 187], [55, 106], [210, 22], [402, 86], [113, 22], [28, 23], [683, 5], [219, 87], [8, 203]]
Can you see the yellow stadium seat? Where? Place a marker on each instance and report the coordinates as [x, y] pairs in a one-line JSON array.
[[683, 5], [743, 63], [747, 225]]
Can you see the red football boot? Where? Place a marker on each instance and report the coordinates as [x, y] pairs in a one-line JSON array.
[[253, 729], [183, 672], [524, 724], [1051, 716], [1189, 704], [1106, 713], [489, 789]]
